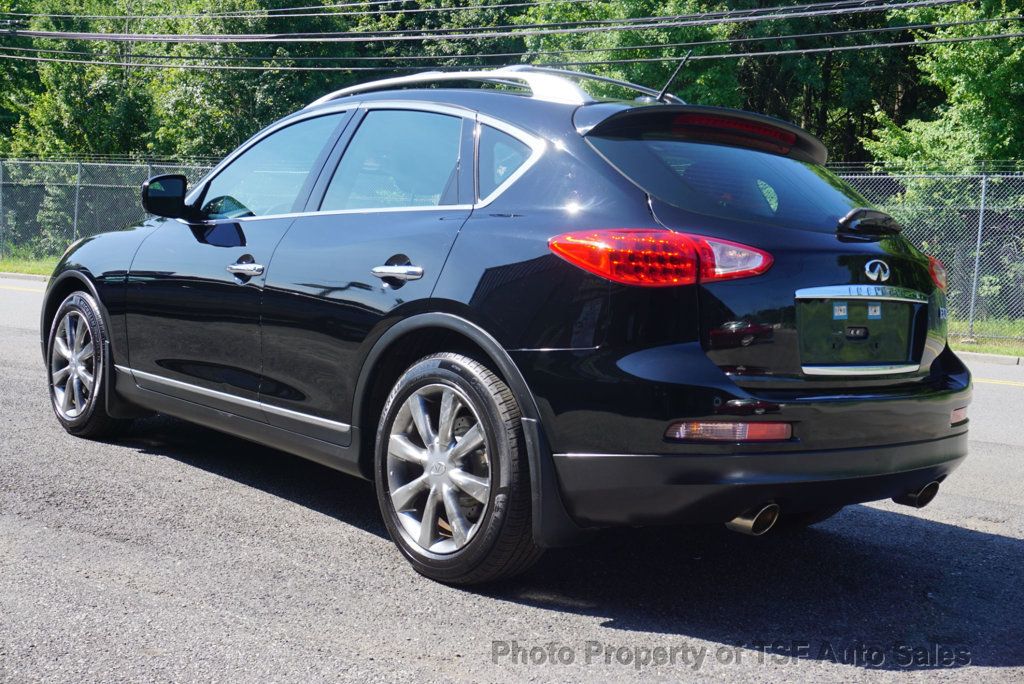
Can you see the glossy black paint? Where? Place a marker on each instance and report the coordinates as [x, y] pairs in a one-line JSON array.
[[293, 357], [165, 196], [188, 319]]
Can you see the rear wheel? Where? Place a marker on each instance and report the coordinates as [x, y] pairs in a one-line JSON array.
[[76, 361], [451, 472]]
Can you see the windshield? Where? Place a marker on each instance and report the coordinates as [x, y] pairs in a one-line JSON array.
[[732, 182]]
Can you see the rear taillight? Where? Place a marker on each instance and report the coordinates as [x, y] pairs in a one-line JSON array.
[[654, 257], [938, 271]]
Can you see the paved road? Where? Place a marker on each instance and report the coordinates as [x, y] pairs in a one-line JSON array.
[[180, 554]]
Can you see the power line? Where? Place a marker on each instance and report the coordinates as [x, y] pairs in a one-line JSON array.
[[800, 51], [780, 12], [762, 53], [353, 37], [289, 11], [533, 53], [272, 13]]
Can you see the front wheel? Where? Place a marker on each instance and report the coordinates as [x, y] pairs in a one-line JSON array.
[[451, 472], [76, 360]]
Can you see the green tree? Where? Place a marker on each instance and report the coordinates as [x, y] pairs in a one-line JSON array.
[[981, 115], [78, 108]]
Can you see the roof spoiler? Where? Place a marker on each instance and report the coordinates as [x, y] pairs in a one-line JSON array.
[[713, 124]]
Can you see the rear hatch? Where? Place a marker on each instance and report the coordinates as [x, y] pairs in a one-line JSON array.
[[848, 301]]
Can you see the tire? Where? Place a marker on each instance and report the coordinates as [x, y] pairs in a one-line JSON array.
[[471, 483], [799, 521], [75, 364]]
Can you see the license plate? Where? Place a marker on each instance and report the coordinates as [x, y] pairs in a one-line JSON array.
[[853, 331]]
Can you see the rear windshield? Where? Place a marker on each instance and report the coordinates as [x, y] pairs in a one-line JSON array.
[[732, 182]]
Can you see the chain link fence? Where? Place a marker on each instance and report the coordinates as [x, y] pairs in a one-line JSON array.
[[973, 222], [47, 205]]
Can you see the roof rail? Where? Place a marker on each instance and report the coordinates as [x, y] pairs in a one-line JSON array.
[[545, 83]]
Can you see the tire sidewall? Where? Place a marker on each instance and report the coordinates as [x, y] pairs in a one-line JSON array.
[[448, 371], [84, 304]]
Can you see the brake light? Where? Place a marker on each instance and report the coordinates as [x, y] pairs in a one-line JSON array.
[[654, 257], [733, 131], [938, 272], [714, 431]]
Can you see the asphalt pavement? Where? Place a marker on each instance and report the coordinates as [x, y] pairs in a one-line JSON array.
[[179, 554]]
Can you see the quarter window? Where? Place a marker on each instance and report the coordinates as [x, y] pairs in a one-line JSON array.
[[499, 156], [268, 177], [398, 159]]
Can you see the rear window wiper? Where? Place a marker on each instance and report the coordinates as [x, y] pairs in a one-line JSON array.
[[868, 221]]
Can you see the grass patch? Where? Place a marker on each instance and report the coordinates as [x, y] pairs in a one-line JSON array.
[[989, 327], [33, 266], [991, 336], [989, 346]]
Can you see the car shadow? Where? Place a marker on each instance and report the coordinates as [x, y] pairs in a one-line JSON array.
[[868, 580], [321, 489], [870, 587]]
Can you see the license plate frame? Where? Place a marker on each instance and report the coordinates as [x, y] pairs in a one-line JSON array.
[[856, 329]]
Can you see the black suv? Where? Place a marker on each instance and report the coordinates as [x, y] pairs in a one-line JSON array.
[[527, 313]]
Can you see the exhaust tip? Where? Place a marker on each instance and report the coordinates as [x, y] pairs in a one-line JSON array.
[[919, 498], [756, 521]]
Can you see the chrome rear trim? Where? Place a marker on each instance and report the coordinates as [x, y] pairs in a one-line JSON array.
[[873, 292], [886, 369]]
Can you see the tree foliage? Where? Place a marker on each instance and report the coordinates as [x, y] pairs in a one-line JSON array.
[[981, 113], [957, 101]]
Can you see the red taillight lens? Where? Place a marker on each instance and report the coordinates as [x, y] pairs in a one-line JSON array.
[[654, 257], [712, 431], [938, 271]]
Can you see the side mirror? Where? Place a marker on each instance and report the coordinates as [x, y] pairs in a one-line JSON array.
[[165, 196]]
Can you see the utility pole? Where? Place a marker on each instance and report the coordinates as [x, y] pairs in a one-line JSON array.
[[977, 257]]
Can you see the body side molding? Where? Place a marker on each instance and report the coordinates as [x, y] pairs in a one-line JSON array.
[[345, 459], [241, 401]]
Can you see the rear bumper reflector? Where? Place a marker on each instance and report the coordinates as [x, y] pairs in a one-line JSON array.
[[721, 431]]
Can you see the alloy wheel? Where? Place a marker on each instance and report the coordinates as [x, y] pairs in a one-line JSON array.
[[438, 469], [72, 366]]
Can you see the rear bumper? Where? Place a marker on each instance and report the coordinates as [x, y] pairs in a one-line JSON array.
[[608, 489]]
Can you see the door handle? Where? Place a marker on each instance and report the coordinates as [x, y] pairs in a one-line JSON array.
[[246, 270], [406, 272]]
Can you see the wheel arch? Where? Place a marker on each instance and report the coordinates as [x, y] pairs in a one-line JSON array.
[[57, 291], [413, 338], [59, 288], [426, 333]]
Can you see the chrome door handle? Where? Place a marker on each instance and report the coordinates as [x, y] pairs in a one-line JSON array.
[[246, 270], [398, 272]]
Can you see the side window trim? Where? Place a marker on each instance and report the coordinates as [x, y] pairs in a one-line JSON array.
[[537, 148], [333, 151], [319, 189], [198, 194]]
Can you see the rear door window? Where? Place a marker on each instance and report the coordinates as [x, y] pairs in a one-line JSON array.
[[398, 159]]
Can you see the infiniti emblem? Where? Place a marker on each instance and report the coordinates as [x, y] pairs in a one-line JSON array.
[[877, 270], [437, 468]]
